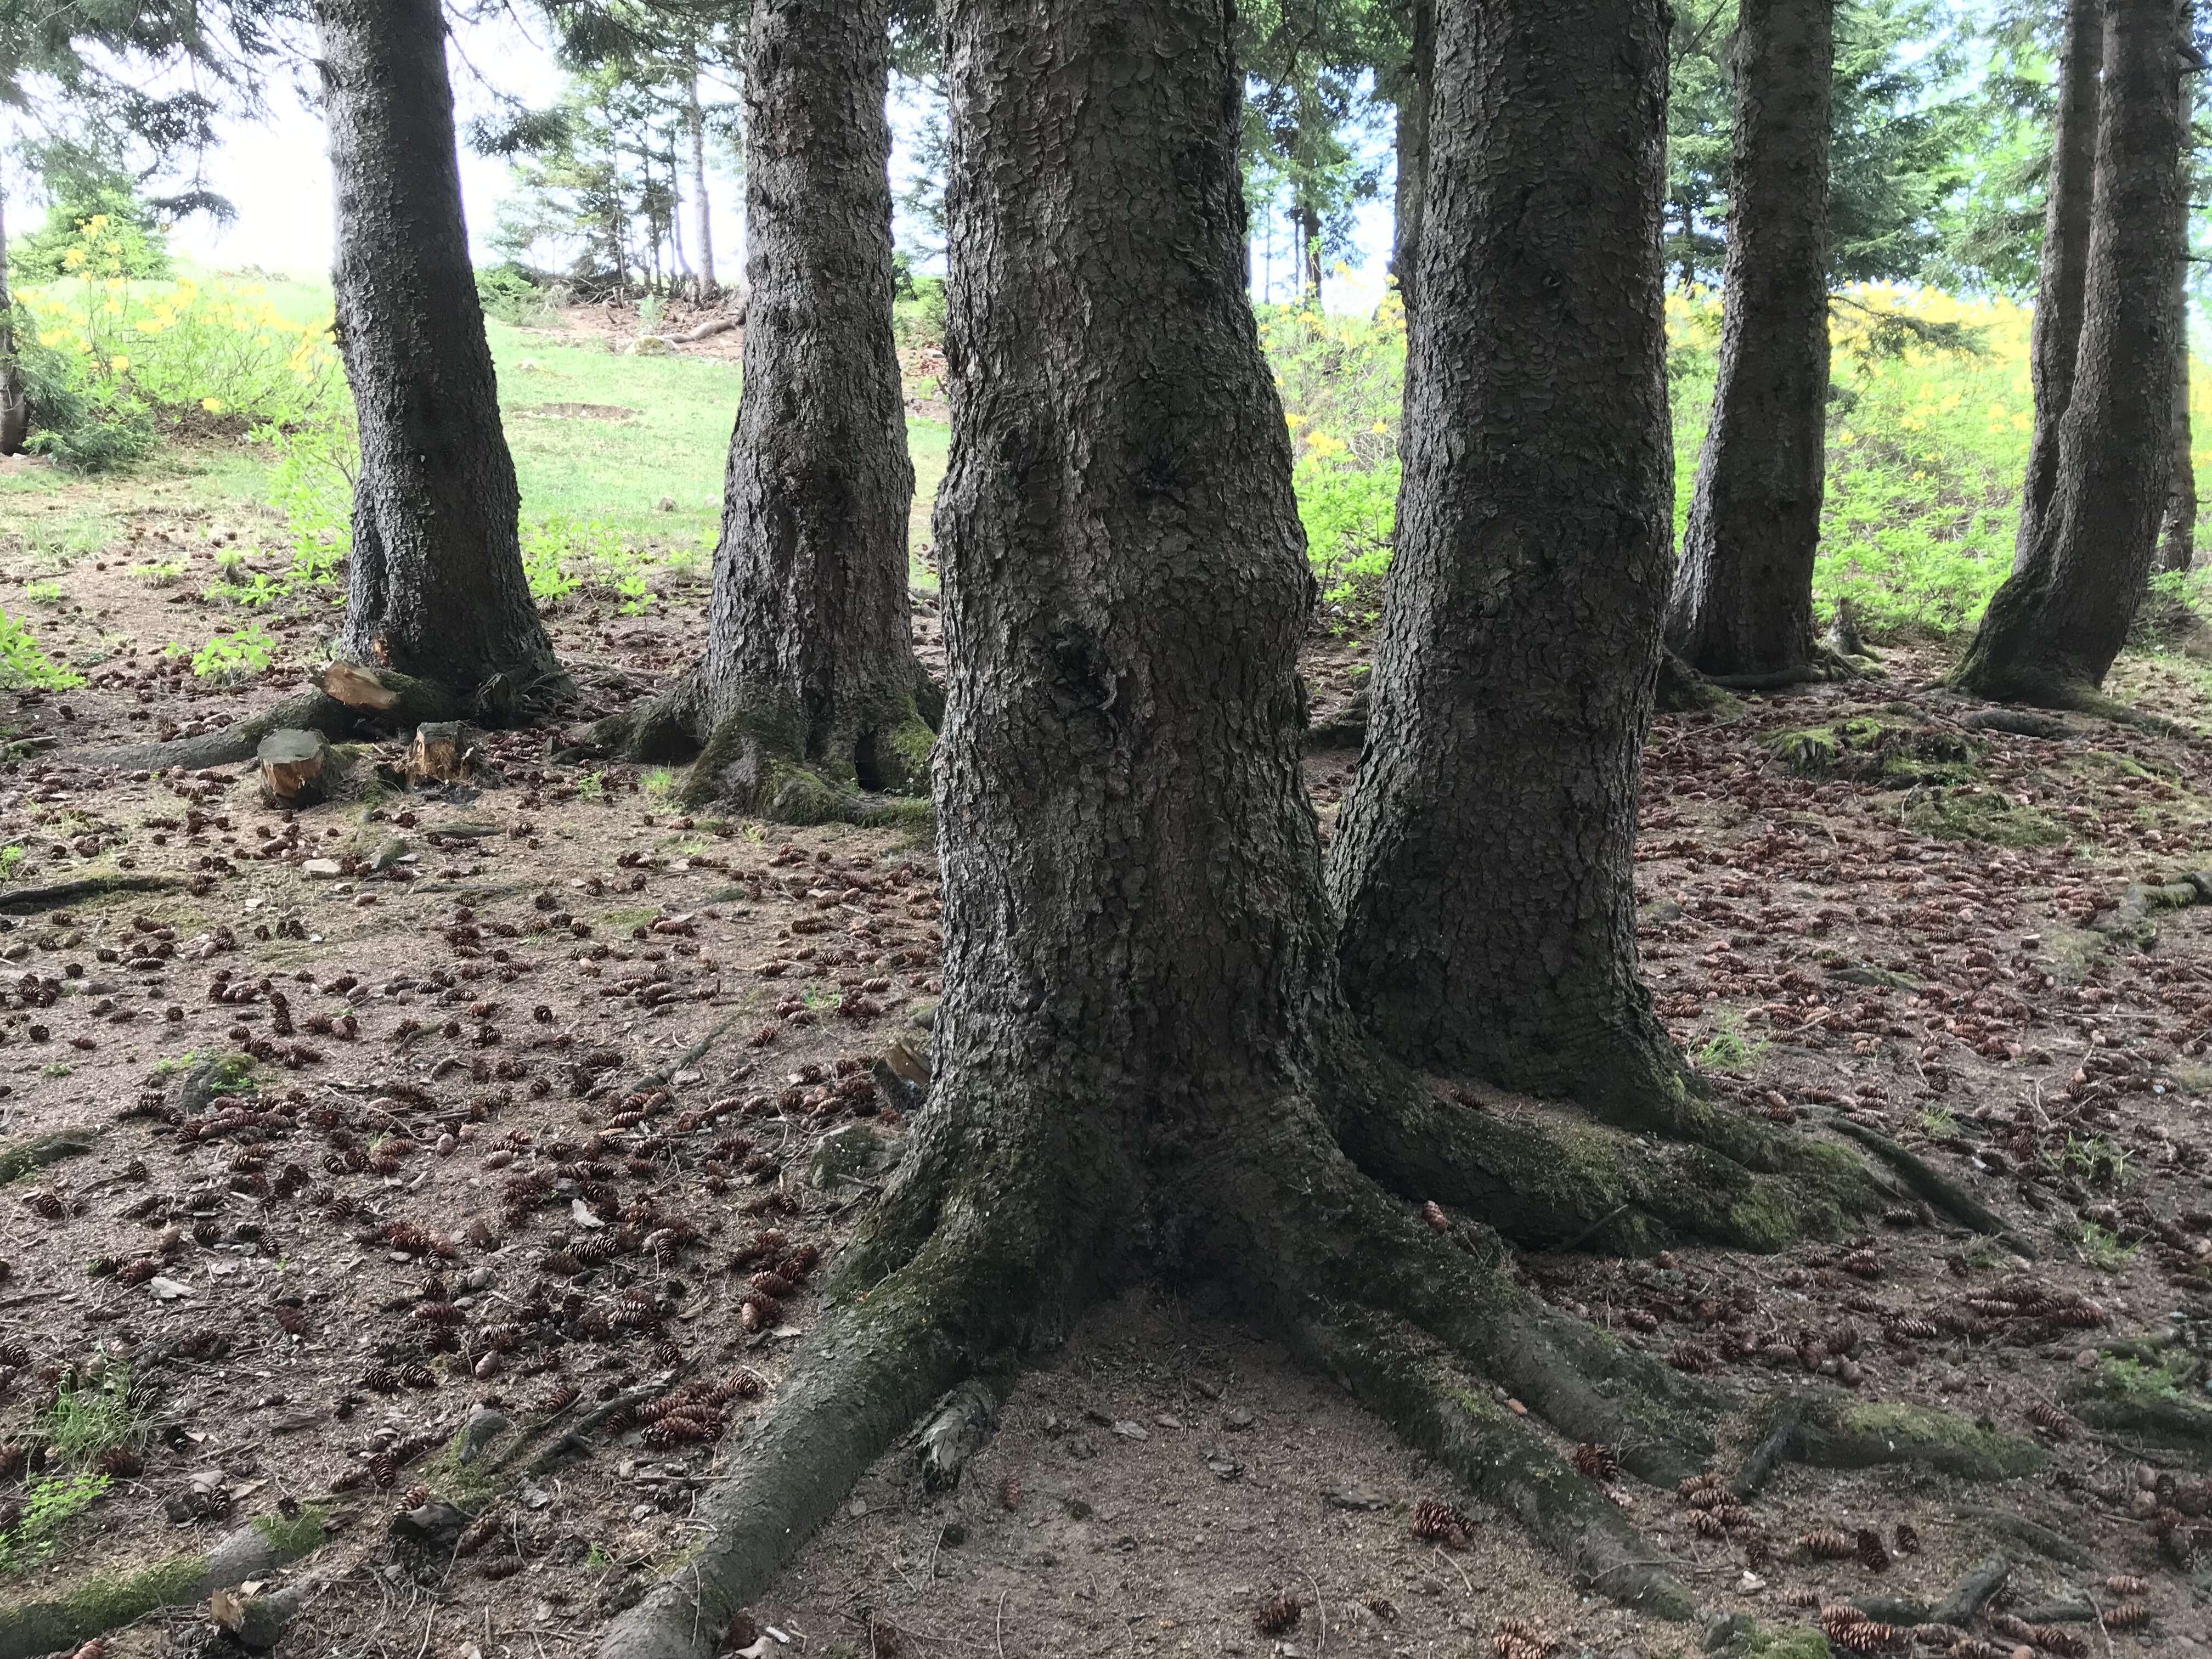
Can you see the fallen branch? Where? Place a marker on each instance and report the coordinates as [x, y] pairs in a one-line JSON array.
[[26, 901], [19, 1157]]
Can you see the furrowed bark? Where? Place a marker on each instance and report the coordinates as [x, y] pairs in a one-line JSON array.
[[2069, 191], [1482, 862], [1743, 600], [808, 689], [436, 582], [1410, 91], [2051, 633]]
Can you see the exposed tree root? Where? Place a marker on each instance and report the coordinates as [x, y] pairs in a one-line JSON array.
[[1839, 1433], [2148, 1406], [1421, 1395], [19, 1157], [1960, 1607], [30, 901], [103, 1604], [1825, 664], [1947, 1196], [761, 756], [2064, 695]]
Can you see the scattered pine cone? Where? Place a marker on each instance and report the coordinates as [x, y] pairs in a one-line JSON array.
[[1522, 1638], [1281, 1614], [2128, 1615], [2052, 1421], [2056, 1638], [122, 1462], [1908, 1539], [1598, 1463], [1010, 1493], [1871, 1550], [2127, 1584], [1827, 1546], [1440, 1523], [1687, 1492]]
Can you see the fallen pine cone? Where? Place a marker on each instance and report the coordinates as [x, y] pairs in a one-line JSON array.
[[2128, 1615], [1598, 1463], [1441, 1523], [1279, 1614], [1908, 1539], [1871, 1550], [2127, 1584], [1827, 1546], [1521, 1639]]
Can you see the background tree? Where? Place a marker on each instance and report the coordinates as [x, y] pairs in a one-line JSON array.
[[435, 584], [1743, 598], [2051, 631], [810, 685]]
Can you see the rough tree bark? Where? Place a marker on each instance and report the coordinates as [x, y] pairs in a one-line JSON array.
[[1309, 218], [1141, 1055], [2069, 191], [1410, 90], [2177, 536], [1742, 599], [2051, 631], [1482, 862], [435, 584], [810, 691]]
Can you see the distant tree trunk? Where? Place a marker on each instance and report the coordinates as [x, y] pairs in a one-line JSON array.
[[1482, 863], [1309, 254], [695, 126], [1742, 599], [14, 408], [436, 588], [2051, 631], [810, 685], [1411, 92], [2069, 190]]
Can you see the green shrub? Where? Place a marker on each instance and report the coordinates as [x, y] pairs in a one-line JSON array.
[[918, 313], [86, 423], [510, 295], [107, 231], [24, 667]]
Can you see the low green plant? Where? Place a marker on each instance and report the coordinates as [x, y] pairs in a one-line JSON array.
[[2101, 1249], [43, 591], [11, 861], [1727, 1049], [165, 573], [85, 1422], [50, 1503], [24, 666], [238, 656], [508, 295]]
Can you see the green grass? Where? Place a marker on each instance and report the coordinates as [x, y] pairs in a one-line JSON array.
[[85, 1423], [52, 1502]]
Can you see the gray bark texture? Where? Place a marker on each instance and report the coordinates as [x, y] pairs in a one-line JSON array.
[[2069, 190], [436, 588], [15, 408], [2177, 536], [809, 686], [1410, 89], [1743, 600], [694, 129], [2051, 631], [1482, 863]]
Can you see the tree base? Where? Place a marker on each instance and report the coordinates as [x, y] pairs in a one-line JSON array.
[[757, 756]]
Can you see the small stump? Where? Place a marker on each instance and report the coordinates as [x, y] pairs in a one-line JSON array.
[[441, 753], [296, 767]]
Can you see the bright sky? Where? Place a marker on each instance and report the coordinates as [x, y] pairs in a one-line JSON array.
[[275, 172]]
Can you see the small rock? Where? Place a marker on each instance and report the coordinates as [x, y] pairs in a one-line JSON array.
[[164, 1289], [322, 869], [1725, 1629], [1236, 1419], [1750, 1582], [484, 1423], [666, 503], [1129, 1430], [853, 1153], [1353, 1495]]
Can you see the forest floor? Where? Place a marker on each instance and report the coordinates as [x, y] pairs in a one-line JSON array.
[[517, 1070]]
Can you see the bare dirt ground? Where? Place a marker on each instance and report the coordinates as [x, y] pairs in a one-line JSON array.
[[531, 1074]]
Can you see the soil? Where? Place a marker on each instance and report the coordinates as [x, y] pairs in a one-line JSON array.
[[524, 989]]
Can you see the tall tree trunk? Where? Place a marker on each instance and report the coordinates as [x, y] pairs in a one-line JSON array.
[[2051, 631], [1743, 598], [1482, 865], [2069, 193], [14, 408], [1309, 254], [1410, 90], [435, 587], [695, 127], [809, 686], [2177, 536]]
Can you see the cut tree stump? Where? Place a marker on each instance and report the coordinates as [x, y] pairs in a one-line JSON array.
[[295, 767], [441, 752]]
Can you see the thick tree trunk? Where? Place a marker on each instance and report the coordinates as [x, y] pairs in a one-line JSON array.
[[2069, 193], [14, 408], [810, 688], [1742, 599], [2177, 536], [695, 127], [1482, 864], [1410, 90], [436, 583], [2051, 631], [1141, 1054]]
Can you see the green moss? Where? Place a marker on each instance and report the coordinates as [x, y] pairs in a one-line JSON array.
[[1973, 813], [103, 1602], [1917, 1434], [2164, 1404], [1866, 748], [1757, 1644], [296, 1535]]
